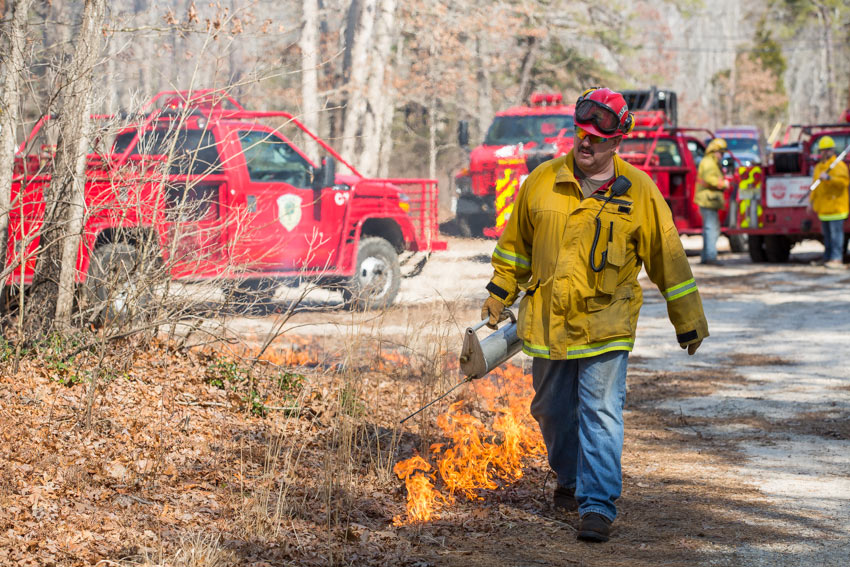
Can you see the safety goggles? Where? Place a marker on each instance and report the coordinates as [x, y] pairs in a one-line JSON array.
[[600, 115], [581, 134]]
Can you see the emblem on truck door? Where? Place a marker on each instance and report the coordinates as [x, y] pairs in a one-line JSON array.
[[289, 210]]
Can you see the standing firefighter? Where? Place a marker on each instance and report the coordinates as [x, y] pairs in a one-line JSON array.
[[582, 227], [709, 197], [830, 201]]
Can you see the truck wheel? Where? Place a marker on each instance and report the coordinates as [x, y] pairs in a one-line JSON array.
[[755, 244], [376, 280], [777, 247], [116, 288], [737, 242]]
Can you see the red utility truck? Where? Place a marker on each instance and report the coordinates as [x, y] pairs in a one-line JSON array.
[[771, 207], [224, 194], [670, 156], [519, 139]]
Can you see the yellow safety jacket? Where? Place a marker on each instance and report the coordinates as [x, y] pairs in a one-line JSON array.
[[830, 198], [568, 309], [709, 189]]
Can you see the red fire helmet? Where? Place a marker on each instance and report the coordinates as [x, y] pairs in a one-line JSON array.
[[603, 112]]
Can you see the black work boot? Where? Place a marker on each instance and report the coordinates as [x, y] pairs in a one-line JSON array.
[[594, 527], [565, 499]]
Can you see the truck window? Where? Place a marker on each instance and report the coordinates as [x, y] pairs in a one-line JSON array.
[[506, 130], [270, 158], [666, 149], [190, 201], [697, 151], [841, 141], [195, 151]]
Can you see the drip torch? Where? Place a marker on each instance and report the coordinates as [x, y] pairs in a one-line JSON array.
[[478, 357]]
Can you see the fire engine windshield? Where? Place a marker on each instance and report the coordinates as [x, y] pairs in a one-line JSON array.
[[506, 130], [743, 145]]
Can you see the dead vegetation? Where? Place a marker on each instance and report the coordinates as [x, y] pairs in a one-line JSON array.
[[196, 457]]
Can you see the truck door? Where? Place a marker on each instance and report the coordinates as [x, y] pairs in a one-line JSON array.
[[194, 228], [280, 222]]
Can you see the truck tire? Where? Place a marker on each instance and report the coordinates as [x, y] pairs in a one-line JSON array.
[[777, 247], [737, 242], [377, 276], [117, 290], [755, 245]]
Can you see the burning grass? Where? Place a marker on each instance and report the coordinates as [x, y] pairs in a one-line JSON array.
[[478, 454]]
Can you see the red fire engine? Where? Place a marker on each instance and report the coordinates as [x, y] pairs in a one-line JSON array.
[[225, 194], [772, 210], [519, 139]]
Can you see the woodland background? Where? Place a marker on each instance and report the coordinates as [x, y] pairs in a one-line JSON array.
[[386, 81]]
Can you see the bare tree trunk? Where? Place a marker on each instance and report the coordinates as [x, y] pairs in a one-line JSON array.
[[379, 93], [485, 87], [528, 61], [432, 138], [309, 44], [11, 100], [356, 107], [830, 82], [389, 115], [53, 282], [730, 110]]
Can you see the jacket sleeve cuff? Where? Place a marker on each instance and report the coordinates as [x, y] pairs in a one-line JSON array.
[[692, 333], [501, 292]]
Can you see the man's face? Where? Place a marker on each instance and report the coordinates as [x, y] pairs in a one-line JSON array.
[[827, 153], [593, 157]]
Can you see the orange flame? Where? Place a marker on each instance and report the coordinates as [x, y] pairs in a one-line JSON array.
[[422, 498], [480, 457]]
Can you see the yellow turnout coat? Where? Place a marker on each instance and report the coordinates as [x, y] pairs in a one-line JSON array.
[[709, 189], [830, 199], [569, 310]]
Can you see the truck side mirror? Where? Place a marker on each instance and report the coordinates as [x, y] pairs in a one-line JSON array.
[[463, 133], [326, 175]]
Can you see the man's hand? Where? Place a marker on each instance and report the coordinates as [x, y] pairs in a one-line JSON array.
[[692, 346], [494, 310], [824, 176]]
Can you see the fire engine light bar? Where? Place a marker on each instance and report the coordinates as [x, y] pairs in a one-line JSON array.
[[546, 99]]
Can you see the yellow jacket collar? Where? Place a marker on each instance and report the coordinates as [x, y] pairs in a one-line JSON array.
[[566, 173]]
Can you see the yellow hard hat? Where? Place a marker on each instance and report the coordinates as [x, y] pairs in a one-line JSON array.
[[826, 143], [716, 145]]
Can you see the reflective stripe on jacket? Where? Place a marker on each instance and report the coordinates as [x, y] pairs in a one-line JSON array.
[[830, 198], [710, 181], [568, 310]]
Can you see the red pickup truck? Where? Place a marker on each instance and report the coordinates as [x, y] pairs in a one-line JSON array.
[[224, 194]]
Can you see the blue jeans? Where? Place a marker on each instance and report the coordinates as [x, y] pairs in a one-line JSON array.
[[710, 233], [579, 407], [833, 240]]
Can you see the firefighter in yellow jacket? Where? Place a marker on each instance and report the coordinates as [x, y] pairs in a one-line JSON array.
[[709, 197], [830, 201], [583, 226]]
